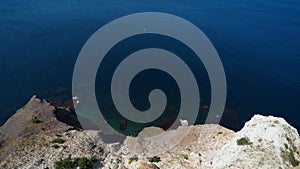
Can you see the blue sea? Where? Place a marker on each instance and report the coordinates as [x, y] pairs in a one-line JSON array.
[[258, 43]]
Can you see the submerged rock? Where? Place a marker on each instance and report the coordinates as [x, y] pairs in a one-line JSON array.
[[122, 125]]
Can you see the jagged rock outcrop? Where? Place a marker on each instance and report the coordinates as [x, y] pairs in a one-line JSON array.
[[35, 138], [27, 139], [271, 141]]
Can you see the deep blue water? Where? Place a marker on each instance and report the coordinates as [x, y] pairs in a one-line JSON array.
[[258, 42]]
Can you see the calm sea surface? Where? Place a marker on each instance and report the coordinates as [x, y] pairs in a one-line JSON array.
[[258, 42]]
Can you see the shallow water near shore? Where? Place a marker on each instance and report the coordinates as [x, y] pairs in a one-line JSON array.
[[258, 43]]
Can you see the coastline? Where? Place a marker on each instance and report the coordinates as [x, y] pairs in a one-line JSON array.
[[27, 141]]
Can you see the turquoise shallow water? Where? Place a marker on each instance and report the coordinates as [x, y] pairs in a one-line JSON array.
[[258, 42]]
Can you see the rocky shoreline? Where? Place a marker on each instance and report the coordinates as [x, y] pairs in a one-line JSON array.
[[40, 135]]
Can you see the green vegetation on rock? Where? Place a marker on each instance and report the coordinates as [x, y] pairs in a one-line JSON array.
[[185, 156], [55, 146], [133, 159], [243, 141], [64, 164], [292, 159], [36, 121], [154, 159], [58, 141], [94, 159], [81, 163]]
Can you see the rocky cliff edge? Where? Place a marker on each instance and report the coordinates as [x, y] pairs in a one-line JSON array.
[[36, 137]]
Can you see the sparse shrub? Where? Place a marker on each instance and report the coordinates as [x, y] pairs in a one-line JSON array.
[[185, 156], [133, 159], [154, 159], [292, 159], [94, 159], [294, 148], [243, 141], [36, 121], [288, 139], [64, 164], [84, 163], [58, 141], [55, 146], [75, 161], [286, 146], [81, 163]]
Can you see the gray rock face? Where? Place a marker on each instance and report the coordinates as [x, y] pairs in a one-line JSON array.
[[27, 141], [148, 166]]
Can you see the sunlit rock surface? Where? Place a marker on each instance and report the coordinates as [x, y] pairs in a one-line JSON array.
[[26, 141]]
